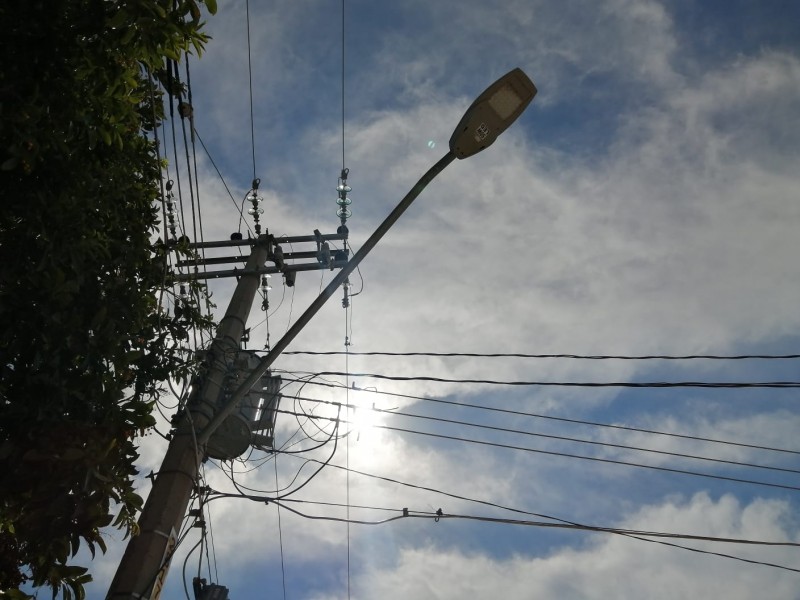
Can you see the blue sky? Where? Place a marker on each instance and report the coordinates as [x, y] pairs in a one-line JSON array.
[[645, 203]]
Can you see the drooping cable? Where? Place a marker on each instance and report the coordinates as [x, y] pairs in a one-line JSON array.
[[567, 356], [588, 384], [239, 209], [157, 146], [570, 524], [186, 560], [343, 96], [322, 464], [347, 400], [640, 535], [210, 531], [197, 191], [437, 517], [175, 85], [566, 420]]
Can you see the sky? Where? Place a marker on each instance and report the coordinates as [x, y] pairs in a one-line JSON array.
[[646, 203]]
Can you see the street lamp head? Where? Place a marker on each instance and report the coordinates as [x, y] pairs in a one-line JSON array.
[[491, 113]]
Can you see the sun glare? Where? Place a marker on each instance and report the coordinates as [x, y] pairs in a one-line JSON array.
[[363, 420]]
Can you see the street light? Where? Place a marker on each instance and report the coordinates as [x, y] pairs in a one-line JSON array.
[[144, 565], [487, 117]]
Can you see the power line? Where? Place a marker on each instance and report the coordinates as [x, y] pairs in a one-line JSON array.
[[439, 514], [591, 458], [643, 536], [562, 523], [566, 454], [567, 356], [250, 80], [558, 437], [440, 492], [560, 419], [240, 210], [405, 513], [343, 112], [578, 526], [280, 534]]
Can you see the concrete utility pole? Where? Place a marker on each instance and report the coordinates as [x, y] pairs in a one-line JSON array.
[[144, 565]]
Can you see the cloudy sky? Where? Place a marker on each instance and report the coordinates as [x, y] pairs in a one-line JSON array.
[[646, 203]]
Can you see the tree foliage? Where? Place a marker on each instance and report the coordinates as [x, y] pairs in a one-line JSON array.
[[84, 345]]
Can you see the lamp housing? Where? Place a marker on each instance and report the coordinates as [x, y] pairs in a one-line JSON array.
[[492, 113]]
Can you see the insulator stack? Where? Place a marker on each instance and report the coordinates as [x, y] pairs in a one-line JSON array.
[[255, 209], [343, 212]]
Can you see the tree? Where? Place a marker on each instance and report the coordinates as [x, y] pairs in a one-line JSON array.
[[84, 343]]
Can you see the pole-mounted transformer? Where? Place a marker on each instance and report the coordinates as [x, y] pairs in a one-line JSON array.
[[256, 413]]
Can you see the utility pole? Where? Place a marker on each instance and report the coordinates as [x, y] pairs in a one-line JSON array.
[[143, 567]]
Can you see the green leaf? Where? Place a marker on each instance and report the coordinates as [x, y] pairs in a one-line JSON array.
[[120, 18], [11, 594], [79, 291]]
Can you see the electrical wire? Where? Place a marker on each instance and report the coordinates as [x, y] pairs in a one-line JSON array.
[[317, 472], [157, 145], [239, 209], [196, 181], [592, 458], [299, 405], [446, 494], [563, 419], [528, 523], [194, 206], [185, 560], [633, 534], [170, 65], [566, 356], [250, 81], [210, 529], [487, 427], [343, 130], [280, 533], [575, 456], [594, 384]]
